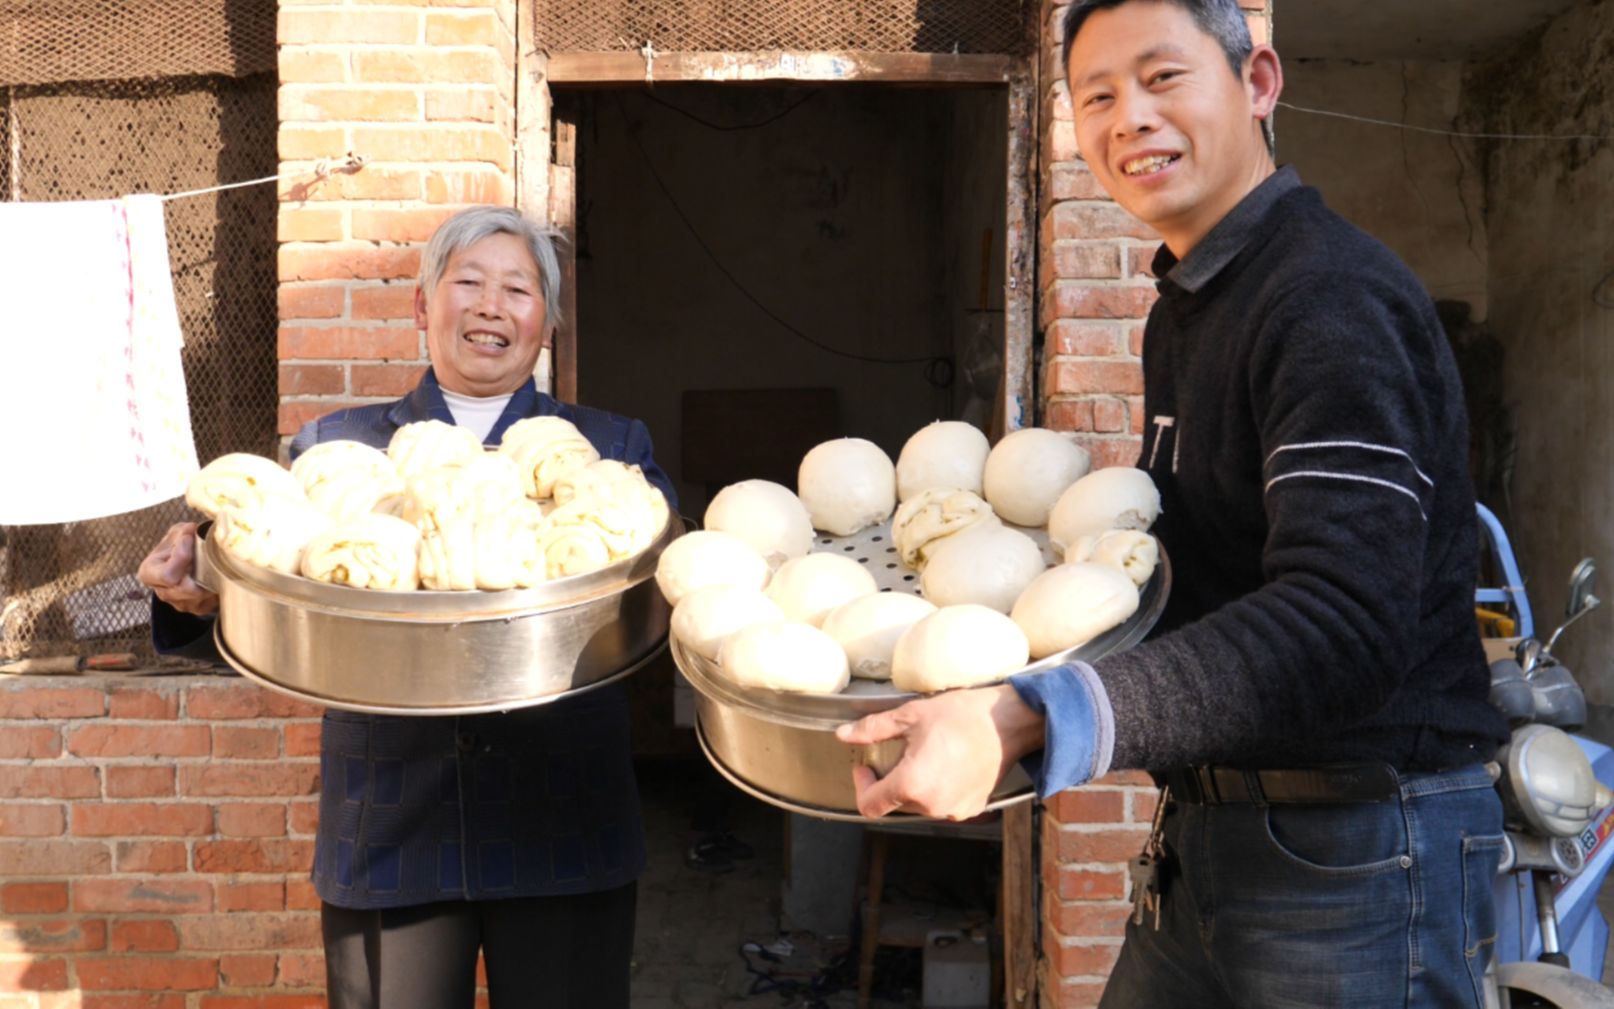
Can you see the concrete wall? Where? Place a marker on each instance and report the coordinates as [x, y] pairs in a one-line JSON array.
[[1418, 193], [833, 217], [1550, 221]]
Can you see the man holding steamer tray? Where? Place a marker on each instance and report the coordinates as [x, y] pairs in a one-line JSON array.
[[1314, 697]]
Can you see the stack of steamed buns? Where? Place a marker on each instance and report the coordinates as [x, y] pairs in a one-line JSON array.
[[435, 511], [750, 595]]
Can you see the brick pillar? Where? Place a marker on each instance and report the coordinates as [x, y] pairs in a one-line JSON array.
[[1094, 291], [425, 92]]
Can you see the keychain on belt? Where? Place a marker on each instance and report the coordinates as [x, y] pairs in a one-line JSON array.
[[1147, 871]]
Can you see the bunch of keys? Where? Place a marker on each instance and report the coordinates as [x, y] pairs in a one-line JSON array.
[[1147, 870]]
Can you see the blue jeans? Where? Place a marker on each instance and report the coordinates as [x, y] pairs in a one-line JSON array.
[[1366, 905]]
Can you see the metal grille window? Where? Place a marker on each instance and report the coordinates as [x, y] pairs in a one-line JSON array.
[[889, 26], [90, 111]]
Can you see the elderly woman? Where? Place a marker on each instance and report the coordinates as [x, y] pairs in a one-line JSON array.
[[514, 834]]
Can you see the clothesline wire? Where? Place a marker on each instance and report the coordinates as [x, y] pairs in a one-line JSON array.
[[1443, 133], [354, 162], [322, 169]]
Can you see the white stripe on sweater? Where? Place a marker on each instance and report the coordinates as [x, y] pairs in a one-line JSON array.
[[1350, 476], [1367, 446]]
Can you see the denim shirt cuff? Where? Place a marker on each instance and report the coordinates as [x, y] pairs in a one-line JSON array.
[[1079, 739]]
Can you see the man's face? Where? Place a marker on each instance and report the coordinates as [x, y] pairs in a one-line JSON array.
[[484, 320], [1163, 122]]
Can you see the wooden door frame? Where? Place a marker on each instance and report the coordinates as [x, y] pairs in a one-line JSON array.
[[546, 178]]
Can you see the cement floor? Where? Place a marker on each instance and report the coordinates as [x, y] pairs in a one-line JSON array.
[[693, 922]]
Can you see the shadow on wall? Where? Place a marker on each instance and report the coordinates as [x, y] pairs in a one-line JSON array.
[[1491, 438]]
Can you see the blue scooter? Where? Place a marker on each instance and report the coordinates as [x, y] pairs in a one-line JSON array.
[[1556, 790]]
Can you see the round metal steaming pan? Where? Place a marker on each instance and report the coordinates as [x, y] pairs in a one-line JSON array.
[[781, 747], [829, 767], [437, 653]]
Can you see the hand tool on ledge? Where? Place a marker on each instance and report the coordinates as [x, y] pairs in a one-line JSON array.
[[72, 665]]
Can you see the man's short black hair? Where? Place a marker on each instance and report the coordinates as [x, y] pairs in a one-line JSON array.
[[1220, 19]]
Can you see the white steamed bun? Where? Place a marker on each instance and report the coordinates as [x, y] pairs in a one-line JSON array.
[[867, 628], [705, 557], [807, 588], [1133, 551], [925, 521], [705, 618], [766, 515], [944, 455], [1117, 497], [783, 655], [989, 564], [545, 449], [1070, 604], [958, 646], [1028, 470], [236, 479], [431, 444], [847, 484]]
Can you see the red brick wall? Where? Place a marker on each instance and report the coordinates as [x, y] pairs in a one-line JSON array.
[[424, 91], [1094, 290], [155, 839]]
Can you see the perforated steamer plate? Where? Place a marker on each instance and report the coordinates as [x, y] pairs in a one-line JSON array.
[[874, 549]]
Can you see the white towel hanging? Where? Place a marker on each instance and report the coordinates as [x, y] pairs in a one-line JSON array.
[[94, 419]]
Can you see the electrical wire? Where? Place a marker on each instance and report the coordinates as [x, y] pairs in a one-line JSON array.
[[933, 370], [1444, 133], [1601, 297], [1600, 293], [724, 128]]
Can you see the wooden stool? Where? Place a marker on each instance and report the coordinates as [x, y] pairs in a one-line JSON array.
[[907, 933]]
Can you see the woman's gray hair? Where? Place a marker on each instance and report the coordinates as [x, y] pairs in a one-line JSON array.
[[473, 224]]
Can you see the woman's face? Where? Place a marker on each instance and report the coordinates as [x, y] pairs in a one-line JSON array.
[[485, 320]]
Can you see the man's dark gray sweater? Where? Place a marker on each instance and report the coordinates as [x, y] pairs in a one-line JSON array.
[[1305, 426]]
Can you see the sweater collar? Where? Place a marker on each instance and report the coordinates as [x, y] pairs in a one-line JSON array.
[[1222, 244], [425, 402]]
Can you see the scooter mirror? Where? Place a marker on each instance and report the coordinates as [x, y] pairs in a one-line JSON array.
[[1582, 582], [1581, 599]]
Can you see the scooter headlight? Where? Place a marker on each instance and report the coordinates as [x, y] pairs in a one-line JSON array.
[[1549, 782]]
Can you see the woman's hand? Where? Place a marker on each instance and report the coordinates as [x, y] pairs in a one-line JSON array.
[[169, 569]]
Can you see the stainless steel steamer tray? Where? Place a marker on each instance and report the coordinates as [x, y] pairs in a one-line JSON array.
[[437, 653], [781, 747]]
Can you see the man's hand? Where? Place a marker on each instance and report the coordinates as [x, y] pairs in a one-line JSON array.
[[958, 746], [167, 571]]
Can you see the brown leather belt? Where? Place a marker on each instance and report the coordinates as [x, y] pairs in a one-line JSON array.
[[1212, 786]]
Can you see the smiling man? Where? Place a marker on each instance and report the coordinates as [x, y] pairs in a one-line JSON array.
[[1314, 698]]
